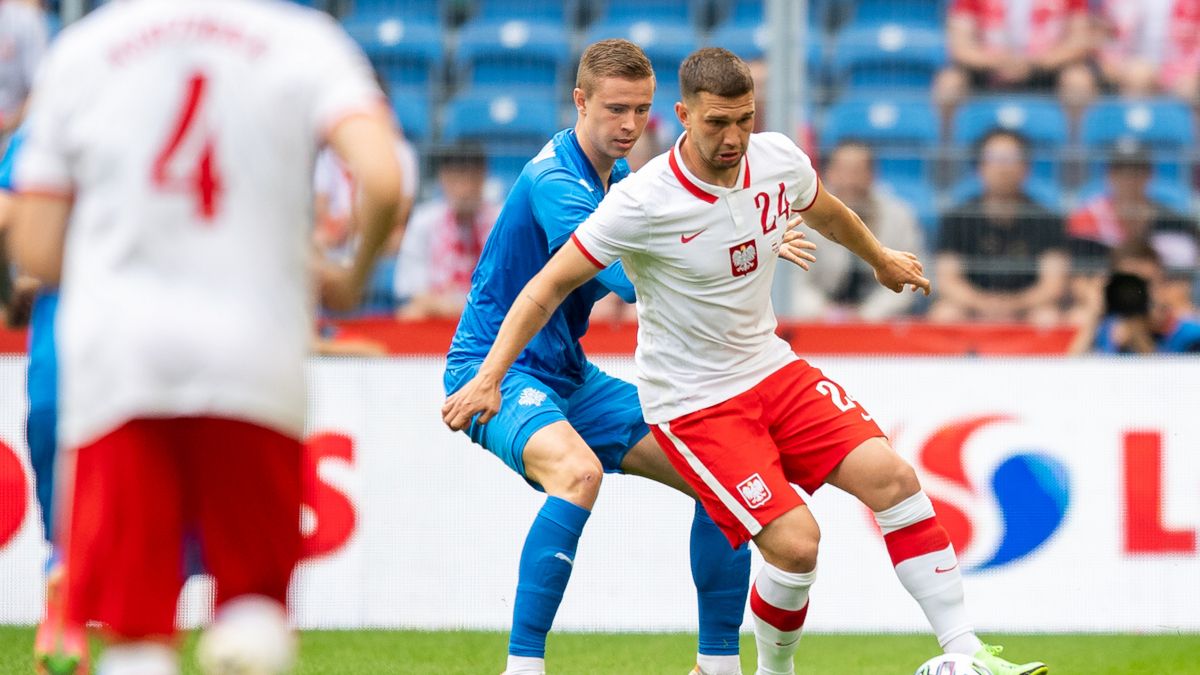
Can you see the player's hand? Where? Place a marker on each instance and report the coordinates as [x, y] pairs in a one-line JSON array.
[[340, 289], [480, 396], [795, 247], [898, 269]]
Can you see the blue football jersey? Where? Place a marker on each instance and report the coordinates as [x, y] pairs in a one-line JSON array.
[[557, 190]]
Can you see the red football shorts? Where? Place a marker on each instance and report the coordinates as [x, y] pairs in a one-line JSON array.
[[137, 491], [741, 456]]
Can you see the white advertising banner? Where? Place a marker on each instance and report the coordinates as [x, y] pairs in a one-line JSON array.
[[1070, 487]]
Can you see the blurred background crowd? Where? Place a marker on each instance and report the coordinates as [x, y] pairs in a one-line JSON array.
[[1037, 154]]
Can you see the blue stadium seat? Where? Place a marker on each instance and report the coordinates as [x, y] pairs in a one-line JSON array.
[[1164, 125], [419, 11], [922, 197], [926, 13], [1044, 193], [749, 41], [413, 108], [900, 129], [754, 12], [513, 52], [665, 44], [521, 117], [548, 11], [664, 111], [407, 53], [678, 12], [889, 55], [1041, 120]]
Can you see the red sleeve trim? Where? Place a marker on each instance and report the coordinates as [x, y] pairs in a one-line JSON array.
[[814, 199], [582, 249]]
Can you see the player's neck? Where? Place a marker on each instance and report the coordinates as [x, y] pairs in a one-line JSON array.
[[700, 169], [602, 163]]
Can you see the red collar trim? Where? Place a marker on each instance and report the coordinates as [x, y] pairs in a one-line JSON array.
[[696, 190]]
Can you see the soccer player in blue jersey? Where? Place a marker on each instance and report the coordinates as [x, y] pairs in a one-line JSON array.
[[57, 648], [565, 422]]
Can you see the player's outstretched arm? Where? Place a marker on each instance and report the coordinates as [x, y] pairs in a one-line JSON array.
[[839, 224], [365, 143], [38, 234], [567, 270]]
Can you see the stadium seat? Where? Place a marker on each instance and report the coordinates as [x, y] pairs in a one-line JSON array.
[[666, 45], [901, 130], [417, 11], [749, 41], [548, 11], [922, 197], [1164, 125], [406, 52], [1041, 120], [677, 12], [1044, 193], [754, 12], [413, 109], [512, 52], [924, 13], [889, 55], [500, 117]]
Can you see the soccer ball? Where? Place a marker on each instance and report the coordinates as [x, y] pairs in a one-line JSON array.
[[953, 664]]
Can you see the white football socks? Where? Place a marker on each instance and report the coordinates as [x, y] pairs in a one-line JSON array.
[[138, 658], [779, 604], [525, 665], [928, 569], [250, 632], [719, 664]]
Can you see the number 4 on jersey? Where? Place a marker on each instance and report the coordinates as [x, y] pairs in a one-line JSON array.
[[201, 181]]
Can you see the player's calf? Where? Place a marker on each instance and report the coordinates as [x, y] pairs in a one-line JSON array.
[[779, 596]]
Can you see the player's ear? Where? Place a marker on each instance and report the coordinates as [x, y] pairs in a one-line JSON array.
[[681, 112], [580, 99]]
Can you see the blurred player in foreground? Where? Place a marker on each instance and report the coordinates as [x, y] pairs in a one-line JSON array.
[[738, 414], [59, 646], [565, 422], [178, 139]]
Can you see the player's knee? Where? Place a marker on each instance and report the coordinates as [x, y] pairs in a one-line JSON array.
[[577, 480], [897, 483], [793, 550]]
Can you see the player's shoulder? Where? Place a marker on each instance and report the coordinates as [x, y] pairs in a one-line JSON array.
[[774, 143]]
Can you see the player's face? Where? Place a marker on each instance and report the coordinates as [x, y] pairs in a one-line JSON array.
[[615, 115], [718, 127]]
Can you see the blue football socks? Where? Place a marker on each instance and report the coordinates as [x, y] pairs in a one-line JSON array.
[[722, 577], [546, 563]]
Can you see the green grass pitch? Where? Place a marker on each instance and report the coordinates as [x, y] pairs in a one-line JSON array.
[[451, 653]]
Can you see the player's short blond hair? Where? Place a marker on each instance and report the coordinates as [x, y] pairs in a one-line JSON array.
[[718, 71], [611, 58]]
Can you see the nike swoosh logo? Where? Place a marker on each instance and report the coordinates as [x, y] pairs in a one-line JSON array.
[[683, 238], [563, 556], [938, 570]]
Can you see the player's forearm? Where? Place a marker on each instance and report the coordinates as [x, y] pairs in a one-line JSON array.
[[37, 236], [530, 312], [850, 231]]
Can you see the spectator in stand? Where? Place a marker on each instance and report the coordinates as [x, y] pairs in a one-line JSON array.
[[1039, 45], [840, 286], [1001, 257], [24, 35], [445, 237], [1133, 316], [1125, 214], [1151, 48]]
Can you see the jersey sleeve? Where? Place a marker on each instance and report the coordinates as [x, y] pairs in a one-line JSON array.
[[341, 76], [617, 227], [44, 165], [560, 203], [804, 175], [9, 160]]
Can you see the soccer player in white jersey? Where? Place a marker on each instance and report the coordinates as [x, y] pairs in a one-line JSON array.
[[178, 139], [737, 412]]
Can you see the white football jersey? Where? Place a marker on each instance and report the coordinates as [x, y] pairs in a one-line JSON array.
[[186, 132], [702, 258]]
